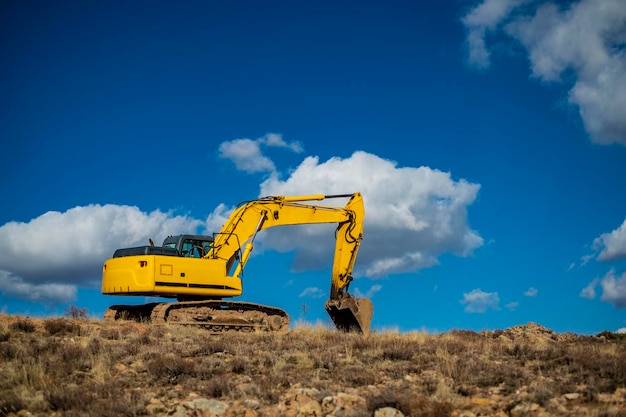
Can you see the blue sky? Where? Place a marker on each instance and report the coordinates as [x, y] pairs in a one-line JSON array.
[[488, 139]]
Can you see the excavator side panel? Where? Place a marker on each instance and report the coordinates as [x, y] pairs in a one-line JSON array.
[[168, 276]]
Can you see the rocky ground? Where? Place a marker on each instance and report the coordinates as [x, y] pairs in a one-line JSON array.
[[85, 367]]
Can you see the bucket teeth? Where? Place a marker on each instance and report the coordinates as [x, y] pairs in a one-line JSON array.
[[351, 314]]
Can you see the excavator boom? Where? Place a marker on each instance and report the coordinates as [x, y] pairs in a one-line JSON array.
[[348, 313]]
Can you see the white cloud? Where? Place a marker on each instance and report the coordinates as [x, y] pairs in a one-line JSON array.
[[369, 293], [485, 17], [608, 247], [12, 286], [583, 40], [248, 156], [612, 245], [531, 292], [584, 260], [413, 215], [276, 140], [589, 291], [478, 301], [614, 289], [218, 217], [51, 254], [512, 306], [313, 292]]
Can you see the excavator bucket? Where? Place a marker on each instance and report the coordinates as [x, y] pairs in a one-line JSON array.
[[351, 314]]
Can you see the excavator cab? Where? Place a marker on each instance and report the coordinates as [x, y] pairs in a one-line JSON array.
[[189, 246]]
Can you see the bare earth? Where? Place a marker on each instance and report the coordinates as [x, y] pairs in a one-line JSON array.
[[73, 366]]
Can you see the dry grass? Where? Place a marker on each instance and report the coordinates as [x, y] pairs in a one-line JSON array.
[[75, 366]]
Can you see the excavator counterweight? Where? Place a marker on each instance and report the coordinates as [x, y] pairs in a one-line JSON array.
[[200, 271]]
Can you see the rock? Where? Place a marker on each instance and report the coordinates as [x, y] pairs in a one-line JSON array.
[[252, 404], [388, 412], [119, 367], [155, 406], [344, 405], [531, 332], [206, 406], [309, 409], [525, 408], [180, 411], [571, 396], [521, 409], [300, 403]]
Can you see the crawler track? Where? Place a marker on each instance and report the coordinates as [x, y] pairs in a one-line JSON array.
[[215, 315]]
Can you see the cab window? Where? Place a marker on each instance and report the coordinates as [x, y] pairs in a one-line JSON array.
[[193, 248]]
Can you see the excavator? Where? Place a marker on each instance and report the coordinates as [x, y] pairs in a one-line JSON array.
[[202, 272]]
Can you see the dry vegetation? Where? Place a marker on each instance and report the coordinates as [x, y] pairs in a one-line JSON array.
[[73, 366]]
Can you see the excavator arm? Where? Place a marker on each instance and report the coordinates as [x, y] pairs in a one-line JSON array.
[[235, 242]]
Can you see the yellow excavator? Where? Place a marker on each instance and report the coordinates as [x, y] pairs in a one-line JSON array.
[[201, 271]]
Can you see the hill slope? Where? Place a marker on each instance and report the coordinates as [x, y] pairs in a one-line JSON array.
[[74, 367]]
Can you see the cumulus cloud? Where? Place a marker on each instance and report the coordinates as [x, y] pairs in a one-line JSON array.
[[589, 291], [531, 292], [612, 245], [413, 214], [512, 306], [276, 140], [247, 154], [313, 292], [13, 286], [581, 43], [485, 17], [613, 289], [50, 255], [369, 293], [608, 247], [478, 301], [218, 217]]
